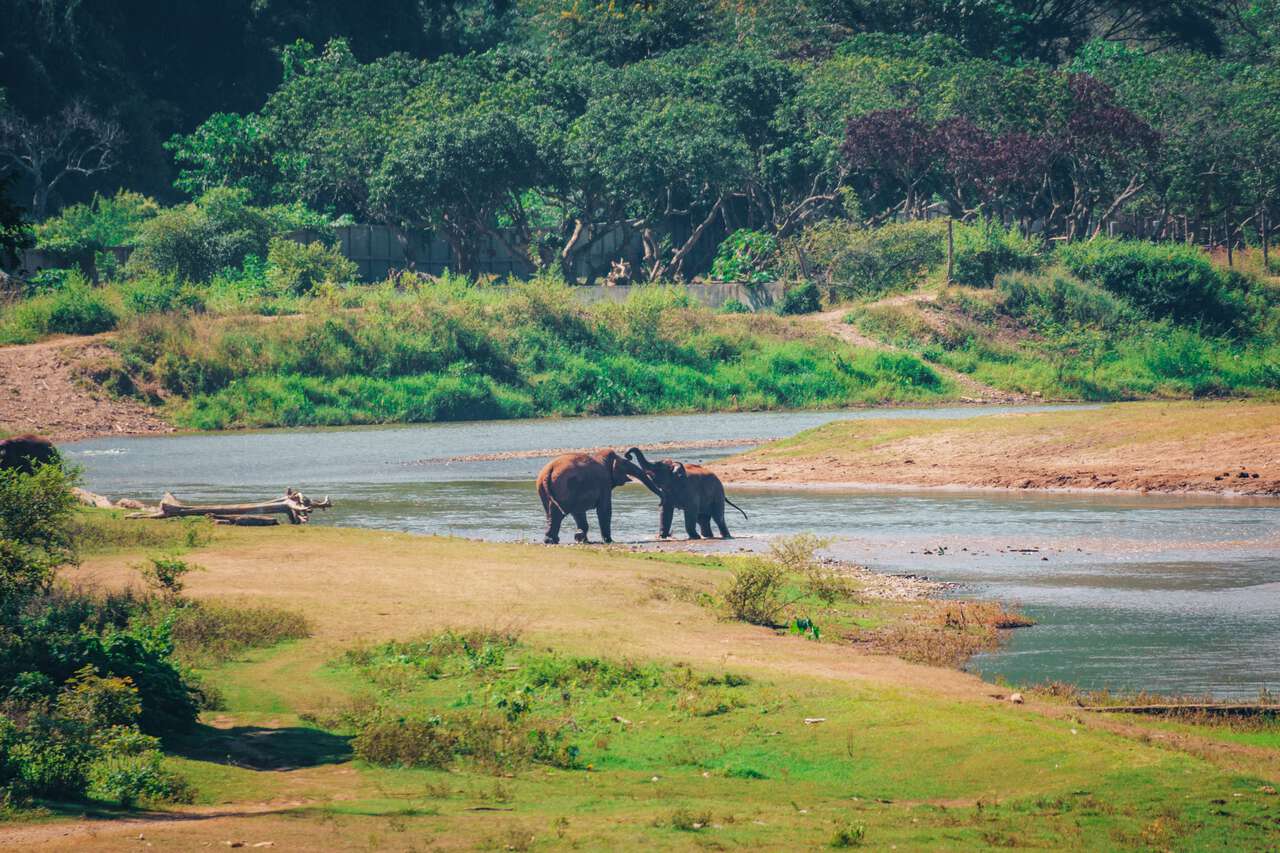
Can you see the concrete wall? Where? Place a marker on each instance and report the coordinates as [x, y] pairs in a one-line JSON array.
[[713, 295]]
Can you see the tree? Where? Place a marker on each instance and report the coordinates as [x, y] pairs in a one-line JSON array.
[[72, 142], [15, 231]]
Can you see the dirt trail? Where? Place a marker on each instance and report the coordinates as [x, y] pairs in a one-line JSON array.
[[39, 393], [972, 390]]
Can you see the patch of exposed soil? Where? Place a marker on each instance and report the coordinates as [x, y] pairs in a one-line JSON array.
[[40, 393]]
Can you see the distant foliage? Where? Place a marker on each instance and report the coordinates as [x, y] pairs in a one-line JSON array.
[[803, 298], [850, 261], [1164, 281], [744, 256], [297, 268], [987, 249], [218, 230], [96, 225]]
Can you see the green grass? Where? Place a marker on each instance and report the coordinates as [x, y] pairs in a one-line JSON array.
[[454, 351]]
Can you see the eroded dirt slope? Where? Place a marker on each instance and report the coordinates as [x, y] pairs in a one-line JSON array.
[[39, 393]]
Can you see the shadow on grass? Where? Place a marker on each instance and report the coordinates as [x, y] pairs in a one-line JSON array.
[[260, 748]]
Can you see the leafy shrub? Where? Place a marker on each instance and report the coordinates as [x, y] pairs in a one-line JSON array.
[[686, 820], [35, 534], [1164, 281], [1060, 300], [218, 230], [801, 299], [743, 256], [755, 593], [297, 268], [851, 261], [986, 249], [849, 835], [798, 555], [734, 306], [100, 224], [165, 574], [74, 308], [156, 294], [405, 743]]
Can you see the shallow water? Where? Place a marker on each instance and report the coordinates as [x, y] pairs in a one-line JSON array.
[[1171, 595]]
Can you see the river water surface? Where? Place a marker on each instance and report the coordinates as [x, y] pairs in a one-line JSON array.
[[1162, 594]]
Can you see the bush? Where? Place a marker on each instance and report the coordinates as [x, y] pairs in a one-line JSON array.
[[1060, 300], [851, 261], [734, 306], [297, 268], [102, 223], [35, 534], [743, 256], [165, 574], [986, 249], [218, 230], [208, 633], [157, 294], [801, 299], [74, 308], [755, 593], [1164, 281]]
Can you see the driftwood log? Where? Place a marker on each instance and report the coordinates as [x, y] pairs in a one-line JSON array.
[[294, 504]]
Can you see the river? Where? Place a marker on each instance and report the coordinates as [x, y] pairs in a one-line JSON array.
[[1170, 595]]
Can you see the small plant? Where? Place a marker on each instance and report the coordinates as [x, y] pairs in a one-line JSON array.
[[849, 835], [755, 593], [165, 574], [299, 268], [686, 820], [801, 299], [743, 256], [803, 626], [798, 554], [734, 306]]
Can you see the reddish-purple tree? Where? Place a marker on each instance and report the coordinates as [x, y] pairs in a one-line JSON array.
[[893, 154]]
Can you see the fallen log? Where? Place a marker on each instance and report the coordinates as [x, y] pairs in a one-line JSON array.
[[246, 520], [294, 504]]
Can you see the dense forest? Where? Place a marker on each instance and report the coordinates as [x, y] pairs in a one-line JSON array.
[[536, 122]]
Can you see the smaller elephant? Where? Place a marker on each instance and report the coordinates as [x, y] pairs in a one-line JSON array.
[[692, 488], [576, 482], [23, 452]]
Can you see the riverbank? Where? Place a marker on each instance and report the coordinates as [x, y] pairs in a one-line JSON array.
[[771, 740], [1206, 448]]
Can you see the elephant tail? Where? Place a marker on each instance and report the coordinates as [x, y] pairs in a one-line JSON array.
[[735, 506], [548, 500]]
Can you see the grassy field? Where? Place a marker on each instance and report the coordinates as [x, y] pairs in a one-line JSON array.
[[1158, 447], [590, 697]]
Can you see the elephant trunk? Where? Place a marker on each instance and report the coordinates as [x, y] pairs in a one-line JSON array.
[[635, 454]]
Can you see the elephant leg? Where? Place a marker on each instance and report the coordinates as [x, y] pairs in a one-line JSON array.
[[719, 517], [665, 513], [604, 514], [580, 519], [704, 525], [554, 517], [691, 523]]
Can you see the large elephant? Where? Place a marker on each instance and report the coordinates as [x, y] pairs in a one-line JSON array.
[[576, 482], [23, 452], [691, 488]]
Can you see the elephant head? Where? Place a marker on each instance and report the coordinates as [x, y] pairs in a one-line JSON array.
[[623, 469], [667, 475]]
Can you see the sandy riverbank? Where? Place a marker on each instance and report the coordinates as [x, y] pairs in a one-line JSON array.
[[1218, 448]]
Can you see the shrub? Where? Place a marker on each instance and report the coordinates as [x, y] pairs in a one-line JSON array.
[[1060, 300], [218, 230], [165, 574], [92, 227], [755, 593], [801, 299], [734, 306], [798, 555], [743, 257], [157, 294], [405, 743], [686, 820], [297, 268], [35, 533], [849, 835], [1164, 281], [78, 309], [986, 249], [851, 261]]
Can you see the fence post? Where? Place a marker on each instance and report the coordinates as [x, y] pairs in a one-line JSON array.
[[951, 248]]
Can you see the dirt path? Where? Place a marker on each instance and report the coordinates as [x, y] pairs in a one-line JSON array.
[[972, 390], [39, 393]]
